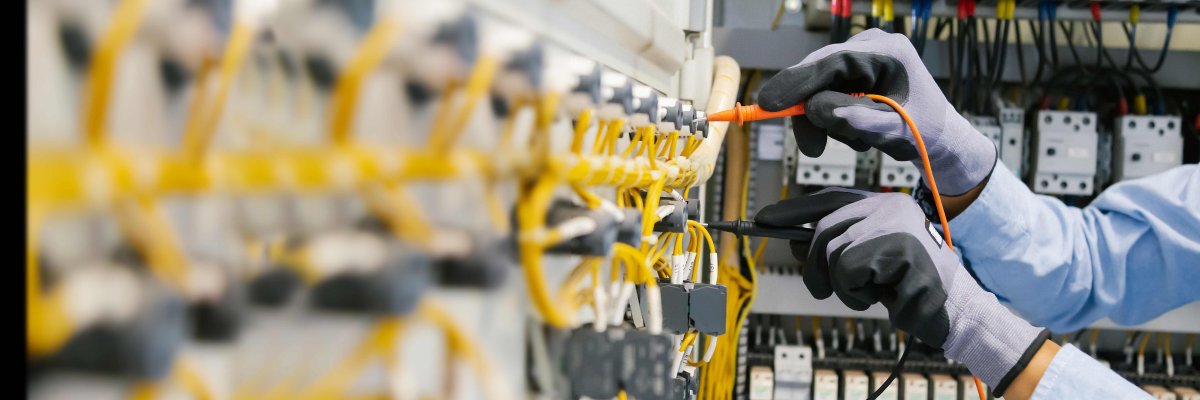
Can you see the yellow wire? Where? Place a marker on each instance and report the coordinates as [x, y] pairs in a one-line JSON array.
[[126, 19], [581, 128], [477, 87], [197, 141]]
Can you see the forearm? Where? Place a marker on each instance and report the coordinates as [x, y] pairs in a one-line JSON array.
[[1022, 388], [1065, 267]]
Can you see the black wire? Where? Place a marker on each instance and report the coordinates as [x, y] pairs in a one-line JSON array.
[[1069, 30], [1021, 57], [1053, 45], [1041, 47], [1162, 55], [989, 47], [1131, 34], [1102, 52], [908, 343]]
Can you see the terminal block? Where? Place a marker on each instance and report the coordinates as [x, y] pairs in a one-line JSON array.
[[700, 306], [630, 229], [592, 362], [484, 266], [706, 309], [647, 365], [216, 317], [142, 347], [1065, 158], [392, 289], [675, 305], [676, 221], [1147, 145], [275, 286], [598, 242]]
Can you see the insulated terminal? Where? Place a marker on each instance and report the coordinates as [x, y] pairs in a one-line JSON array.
[[485, 266], [676, 221]]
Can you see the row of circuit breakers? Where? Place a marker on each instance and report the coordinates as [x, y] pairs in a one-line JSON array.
[[1065, 160], [791, 375]]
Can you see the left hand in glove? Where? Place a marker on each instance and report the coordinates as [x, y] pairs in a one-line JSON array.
[[871, 247]]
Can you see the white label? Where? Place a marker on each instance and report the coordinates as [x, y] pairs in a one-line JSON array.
[[1078, 152], [1164, 157], [770, 142]]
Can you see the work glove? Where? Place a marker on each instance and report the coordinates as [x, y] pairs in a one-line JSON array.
[[886, 64], [879, 248]]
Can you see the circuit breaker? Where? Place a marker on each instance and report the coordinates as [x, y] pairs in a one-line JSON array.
[[893, 173], [856, 385], [825, 385], [893, 390], [944, 387], [969, 391], [1146, 145], [916, 387], [762, 381], [793, 372], [1012, 138], [835, 167], [1065, 161]]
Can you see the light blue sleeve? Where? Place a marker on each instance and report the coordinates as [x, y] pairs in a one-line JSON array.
[[1131, 255], [1074, 375]]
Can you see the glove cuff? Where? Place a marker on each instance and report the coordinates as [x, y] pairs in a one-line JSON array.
[[1022, 362], [992, 342]]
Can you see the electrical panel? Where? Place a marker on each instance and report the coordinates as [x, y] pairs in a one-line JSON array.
[[1065, 153], [1146, 145]]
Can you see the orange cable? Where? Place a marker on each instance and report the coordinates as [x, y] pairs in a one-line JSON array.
[[937, 198], [742, 113]]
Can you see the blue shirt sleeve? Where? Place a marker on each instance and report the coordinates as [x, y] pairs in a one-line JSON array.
[[1131, 255], [1074, 375]]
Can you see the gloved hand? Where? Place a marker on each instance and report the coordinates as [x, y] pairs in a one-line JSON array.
[[886, 64], [871, 247]]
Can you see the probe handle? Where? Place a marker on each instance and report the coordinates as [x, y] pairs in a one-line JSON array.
[[741, 114], [749, 228]]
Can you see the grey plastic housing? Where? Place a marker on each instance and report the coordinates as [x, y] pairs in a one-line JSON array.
[[707, 308], [393, 289], [676, 221], [592, 361], [647, 365], [674, 307], [630, 229], [597, 243]]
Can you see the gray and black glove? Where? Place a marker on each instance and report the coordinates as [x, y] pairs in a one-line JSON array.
[[886, 64], [879, 248]]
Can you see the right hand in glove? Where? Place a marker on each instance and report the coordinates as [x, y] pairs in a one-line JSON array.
[[879, 248], [885, 64]]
